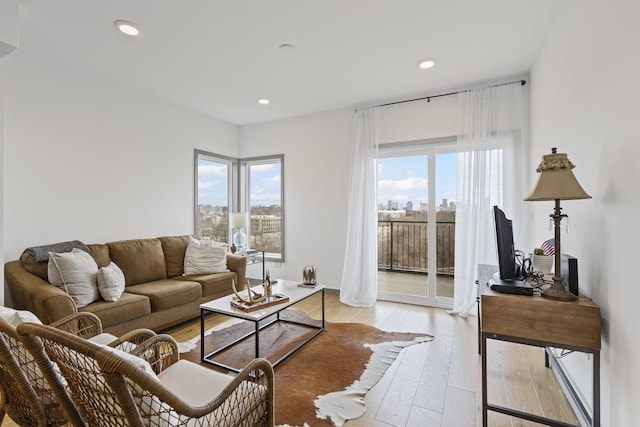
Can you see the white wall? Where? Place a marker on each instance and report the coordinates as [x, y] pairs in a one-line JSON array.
[[584, 91], [9, 40], [2, 192], [91, 160], [9, 26], [317, 171], [316, 157]]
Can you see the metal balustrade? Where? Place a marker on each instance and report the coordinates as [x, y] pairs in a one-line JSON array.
[[403, 246]]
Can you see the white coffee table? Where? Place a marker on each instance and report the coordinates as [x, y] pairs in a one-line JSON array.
[[223, 306]]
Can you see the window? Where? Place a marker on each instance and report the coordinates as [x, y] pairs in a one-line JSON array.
[[213, 195], [264, 201], [255, 186]]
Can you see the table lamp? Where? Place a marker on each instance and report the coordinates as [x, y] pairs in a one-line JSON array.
[[557, 182], [238, 221]]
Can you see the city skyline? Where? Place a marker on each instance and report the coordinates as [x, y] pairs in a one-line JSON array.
[[405, 179], [213, 183]]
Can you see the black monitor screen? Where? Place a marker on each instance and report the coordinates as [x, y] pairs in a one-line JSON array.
[[504, 244]]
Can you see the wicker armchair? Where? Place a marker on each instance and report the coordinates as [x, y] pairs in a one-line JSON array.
[[110, 387], [25, 395]]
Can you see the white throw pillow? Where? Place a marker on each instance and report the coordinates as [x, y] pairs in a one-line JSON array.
[[75, 273], [110, 282], [205, 257]]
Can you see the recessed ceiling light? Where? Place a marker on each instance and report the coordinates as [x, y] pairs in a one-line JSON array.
[[264, 101], [127, 27], [286, 48], [426, 63]]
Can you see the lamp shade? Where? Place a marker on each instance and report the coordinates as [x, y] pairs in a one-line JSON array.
[[557, 181], [238, 220]]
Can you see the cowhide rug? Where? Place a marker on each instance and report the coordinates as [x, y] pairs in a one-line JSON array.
[[323, 383]]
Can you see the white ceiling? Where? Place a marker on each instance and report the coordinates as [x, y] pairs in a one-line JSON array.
[[218, 57]]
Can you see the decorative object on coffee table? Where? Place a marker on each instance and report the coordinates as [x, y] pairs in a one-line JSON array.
[[267, 284], [309, 275], [267, 302], [253, 297], [233, 248]]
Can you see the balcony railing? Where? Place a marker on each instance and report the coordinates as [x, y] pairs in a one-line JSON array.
[[402, 246]]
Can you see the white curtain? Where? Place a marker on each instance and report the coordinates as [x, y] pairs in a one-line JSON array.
[[491, 171], [359, 284]]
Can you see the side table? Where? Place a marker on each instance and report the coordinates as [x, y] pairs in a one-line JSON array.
[[254, 258], [541, 322]]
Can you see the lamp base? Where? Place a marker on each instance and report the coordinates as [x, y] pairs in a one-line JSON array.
[[557, 291]]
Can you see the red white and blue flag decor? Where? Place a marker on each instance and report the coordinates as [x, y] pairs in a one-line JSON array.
[[549, 247]]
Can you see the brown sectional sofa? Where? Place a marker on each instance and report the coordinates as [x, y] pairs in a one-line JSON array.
[[156, 296]]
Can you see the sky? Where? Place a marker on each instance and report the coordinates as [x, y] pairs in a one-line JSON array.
[[213, 183], [403, 179], [400, 179]]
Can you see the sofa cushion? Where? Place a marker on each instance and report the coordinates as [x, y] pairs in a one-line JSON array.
[[218, 284], [110, 282], [174, 248], [128, 307], [168, 293], [140, 260], [100, 252], [75, 273], [205, 257]]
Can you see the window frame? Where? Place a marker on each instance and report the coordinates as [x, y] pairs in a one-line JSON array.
[[239, 191], [244, 195], [231, 174]]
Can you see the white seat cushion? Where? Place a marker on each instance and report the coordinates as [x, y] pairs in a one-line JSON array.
[[103, 338], [193, 383]]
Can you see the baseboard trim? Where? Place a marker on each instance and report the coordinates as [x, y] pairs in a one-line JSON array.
[[584, 417]]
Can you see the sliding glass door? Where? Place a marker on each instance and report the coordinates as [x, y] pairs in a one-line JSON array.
[[416, 223]]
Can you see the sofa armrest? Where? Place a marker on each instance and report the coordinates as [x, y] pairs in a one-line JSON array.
[[238, 264], [30, 292]]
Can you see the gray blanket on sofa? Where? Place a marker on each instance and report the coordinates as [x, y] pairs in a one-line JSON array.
[[41, 253]]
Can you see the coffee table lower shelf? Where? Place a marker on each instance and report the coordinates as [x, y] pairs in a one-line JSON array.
[[258, 327], [208, 358]]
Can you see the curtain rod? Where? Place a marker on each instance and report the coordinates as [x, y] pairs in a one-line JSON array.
[[428, 98]]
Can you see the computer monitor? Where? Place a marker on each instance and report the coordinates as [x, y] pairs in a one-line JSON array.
[[504, 244]]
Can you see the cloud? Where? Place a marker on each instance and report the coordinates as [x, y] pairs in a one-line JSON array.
[[213, 170], [406, 184], [266, 167]]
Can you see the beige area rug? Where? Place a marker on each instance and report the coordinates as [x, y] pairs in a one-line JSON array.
[[323, 383]]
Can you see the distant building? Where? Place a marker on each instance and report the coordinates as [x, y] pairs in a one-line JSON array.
[[265, 223], [408, 206]]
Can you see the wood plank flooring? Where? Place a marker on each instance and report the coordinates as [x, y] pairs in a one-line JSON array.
[[438, 383]]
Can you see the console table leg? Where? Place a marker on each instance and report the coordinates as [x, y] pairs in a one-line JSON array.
[[596, 389], [484, 380]]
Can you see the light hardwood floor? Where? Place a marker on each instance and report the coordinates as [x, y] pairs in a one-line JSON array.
[[438, 383]]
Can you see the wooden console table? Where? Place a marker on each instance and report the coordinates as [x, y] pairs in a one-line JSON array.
[[541, 322]]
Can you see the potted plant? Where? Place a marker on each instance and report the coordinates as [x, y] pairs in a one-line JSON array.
[[541, 262]]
